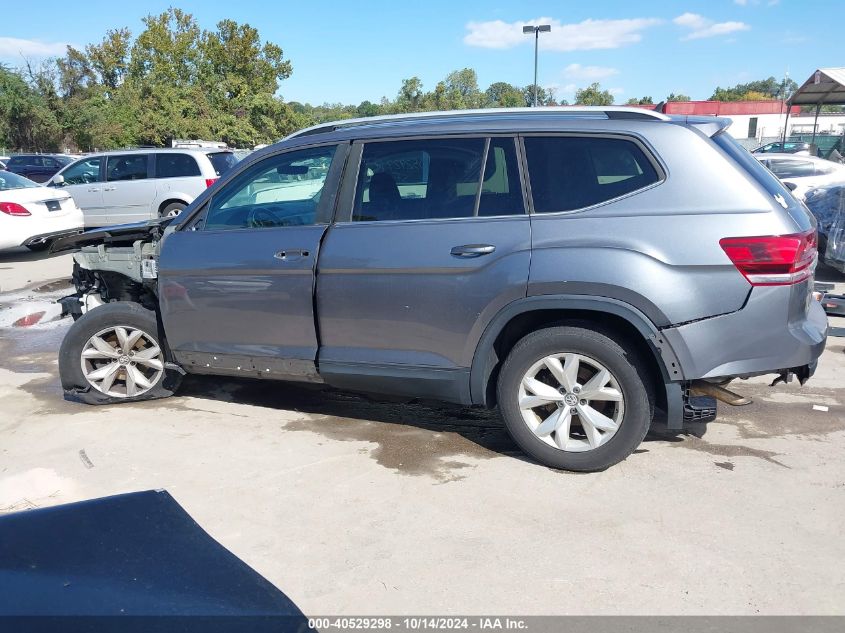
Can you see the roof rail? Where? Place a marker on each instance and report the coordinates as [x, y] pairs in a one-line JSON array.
[[609, 112]]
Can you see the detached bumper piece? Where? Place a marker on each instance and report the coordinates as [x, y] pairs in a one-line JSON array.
[[46, 237], [698, 408]]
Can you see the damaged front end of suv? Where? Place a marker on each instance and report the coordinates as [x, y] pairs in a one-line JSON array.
[[125, 354], [117, 263]]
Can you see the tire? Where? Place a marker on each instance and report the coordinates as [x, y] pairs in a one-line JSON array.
[[158, 378], [625, 398], [173, 209]]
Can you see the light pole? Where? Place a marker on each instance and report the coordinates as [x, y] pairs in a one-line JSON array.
[[536, 30]]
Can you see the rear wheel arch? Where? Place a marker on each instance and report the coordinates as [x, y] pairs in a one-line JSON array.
[[617, 319]]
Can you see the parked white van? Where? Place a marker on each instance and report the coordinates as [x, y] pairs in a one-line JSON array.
[[138, 185]]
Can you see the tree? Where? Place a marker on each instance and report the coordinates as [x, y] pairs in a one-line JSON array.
[[26, 121], [503, 95], [367, 108], [461, 88], [677, 97], [545, 96], [410, 95], [593, 95], [761, 89], [641, 101]]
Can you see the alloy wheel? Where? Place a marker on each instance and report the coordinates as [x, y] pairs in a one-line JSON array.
[[571, 402], [122, 361]]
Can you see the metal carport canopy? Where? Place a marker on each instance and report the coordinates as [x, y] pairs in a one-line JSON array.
[[825, 86]]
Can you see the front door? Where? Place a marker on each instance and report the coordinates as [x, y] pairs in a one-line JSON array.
[[432, 240], [82, 182], [236, 282]]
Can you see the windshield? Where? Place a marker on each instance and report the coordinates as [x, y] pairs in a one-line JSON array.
[[222, 161], [8, 181]]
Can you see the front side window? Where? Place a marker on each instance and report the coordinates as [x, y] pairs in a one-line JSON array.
[[282, 190], [176, 166], [132, 167], [82, 173], [418, 179], [570, 172]]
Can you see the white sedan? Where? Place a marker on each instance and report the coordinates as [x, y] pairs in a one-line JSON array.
[[803, 173], [32, 215]]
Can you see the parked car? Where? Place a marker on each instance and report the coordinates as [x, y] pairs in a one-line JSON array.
[[32, 215], [803, 173], [3, 161], [37, 167], [575, 267], [790, 147], [136, 185]]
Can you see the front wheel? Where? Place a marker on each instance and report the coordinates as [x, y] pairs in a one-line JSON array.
[[574, 398], [114, 353]]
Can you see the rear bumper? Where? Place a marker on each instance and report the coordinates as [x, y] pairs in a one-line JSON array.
[[759, 339]]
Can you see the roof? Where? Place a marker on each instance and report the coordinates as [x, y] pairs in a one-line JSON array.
[[485, 116], [147, 150], [825, 86]]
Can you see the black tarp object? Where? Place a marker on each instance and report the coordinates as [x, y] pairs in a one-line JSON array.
[[131, 562]]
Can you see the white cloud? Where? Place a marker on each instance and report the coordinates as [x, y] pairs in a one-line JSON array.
[[589, 73], [741, 3], [14, 47], [701, 27], [586, 35]]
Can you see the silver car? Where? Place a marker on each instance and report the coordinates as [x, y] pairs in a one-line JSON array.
[[136, 185]]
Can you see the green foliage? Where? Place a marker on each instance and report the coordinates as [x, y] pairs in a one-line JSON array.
[[641, 101], [593, 95], [677, 97], [759, 90]]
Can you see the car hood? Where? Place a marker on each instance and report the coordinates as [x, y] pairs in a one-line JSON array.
[[117, 234]]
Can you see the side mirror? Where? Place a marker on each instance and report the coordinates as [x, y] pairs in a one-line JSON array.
[[58, 181], [791, 186]]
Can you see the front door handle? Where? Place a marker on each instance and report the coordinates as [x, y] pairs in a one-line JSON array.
[[91, 190], [291, 255], [472, 250], [109, 188]]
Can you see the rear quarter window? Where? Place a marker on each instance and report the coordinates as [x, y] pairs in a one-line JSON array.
[[574, 172], [176, 166]]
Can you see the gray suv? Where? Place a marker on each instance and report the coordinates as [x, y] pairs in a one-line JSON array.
[[579, 268]]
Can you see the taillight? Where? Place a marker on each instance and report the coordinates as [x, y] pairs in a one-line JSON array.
[[210, 181], [13, 208], [773, 260]]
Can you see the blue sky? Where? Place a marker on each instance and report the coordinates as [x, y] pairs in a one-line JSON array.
[[348, 52]]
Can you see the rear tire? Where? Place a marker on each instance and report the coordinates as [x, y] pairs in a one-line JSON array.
[[116, 353], [172, 210], [600, 409]]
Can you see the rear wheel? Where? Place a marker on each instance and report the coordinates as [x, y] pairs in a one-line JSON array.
[[114, 353], [172, 210], [574, 398]]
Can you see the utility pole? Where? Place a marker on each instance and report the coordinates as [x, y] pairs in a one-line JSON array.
[[536, 30]]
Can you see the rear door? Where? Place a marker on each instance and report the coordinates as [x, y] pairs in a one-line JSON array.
[[431, 240], [236, 282], [178, 177], [129, 191]]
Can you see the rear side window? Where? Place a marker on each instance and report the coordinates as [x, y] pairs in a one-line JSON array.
[[418, 179], [17, 161], [176, 166], [222, 162], [132, 167], [569, 172]]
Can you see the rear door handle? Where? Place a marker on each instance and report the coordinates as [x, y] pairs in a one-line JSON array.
[[95, 189], [472, 250], [109, 188], [291, 255]]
